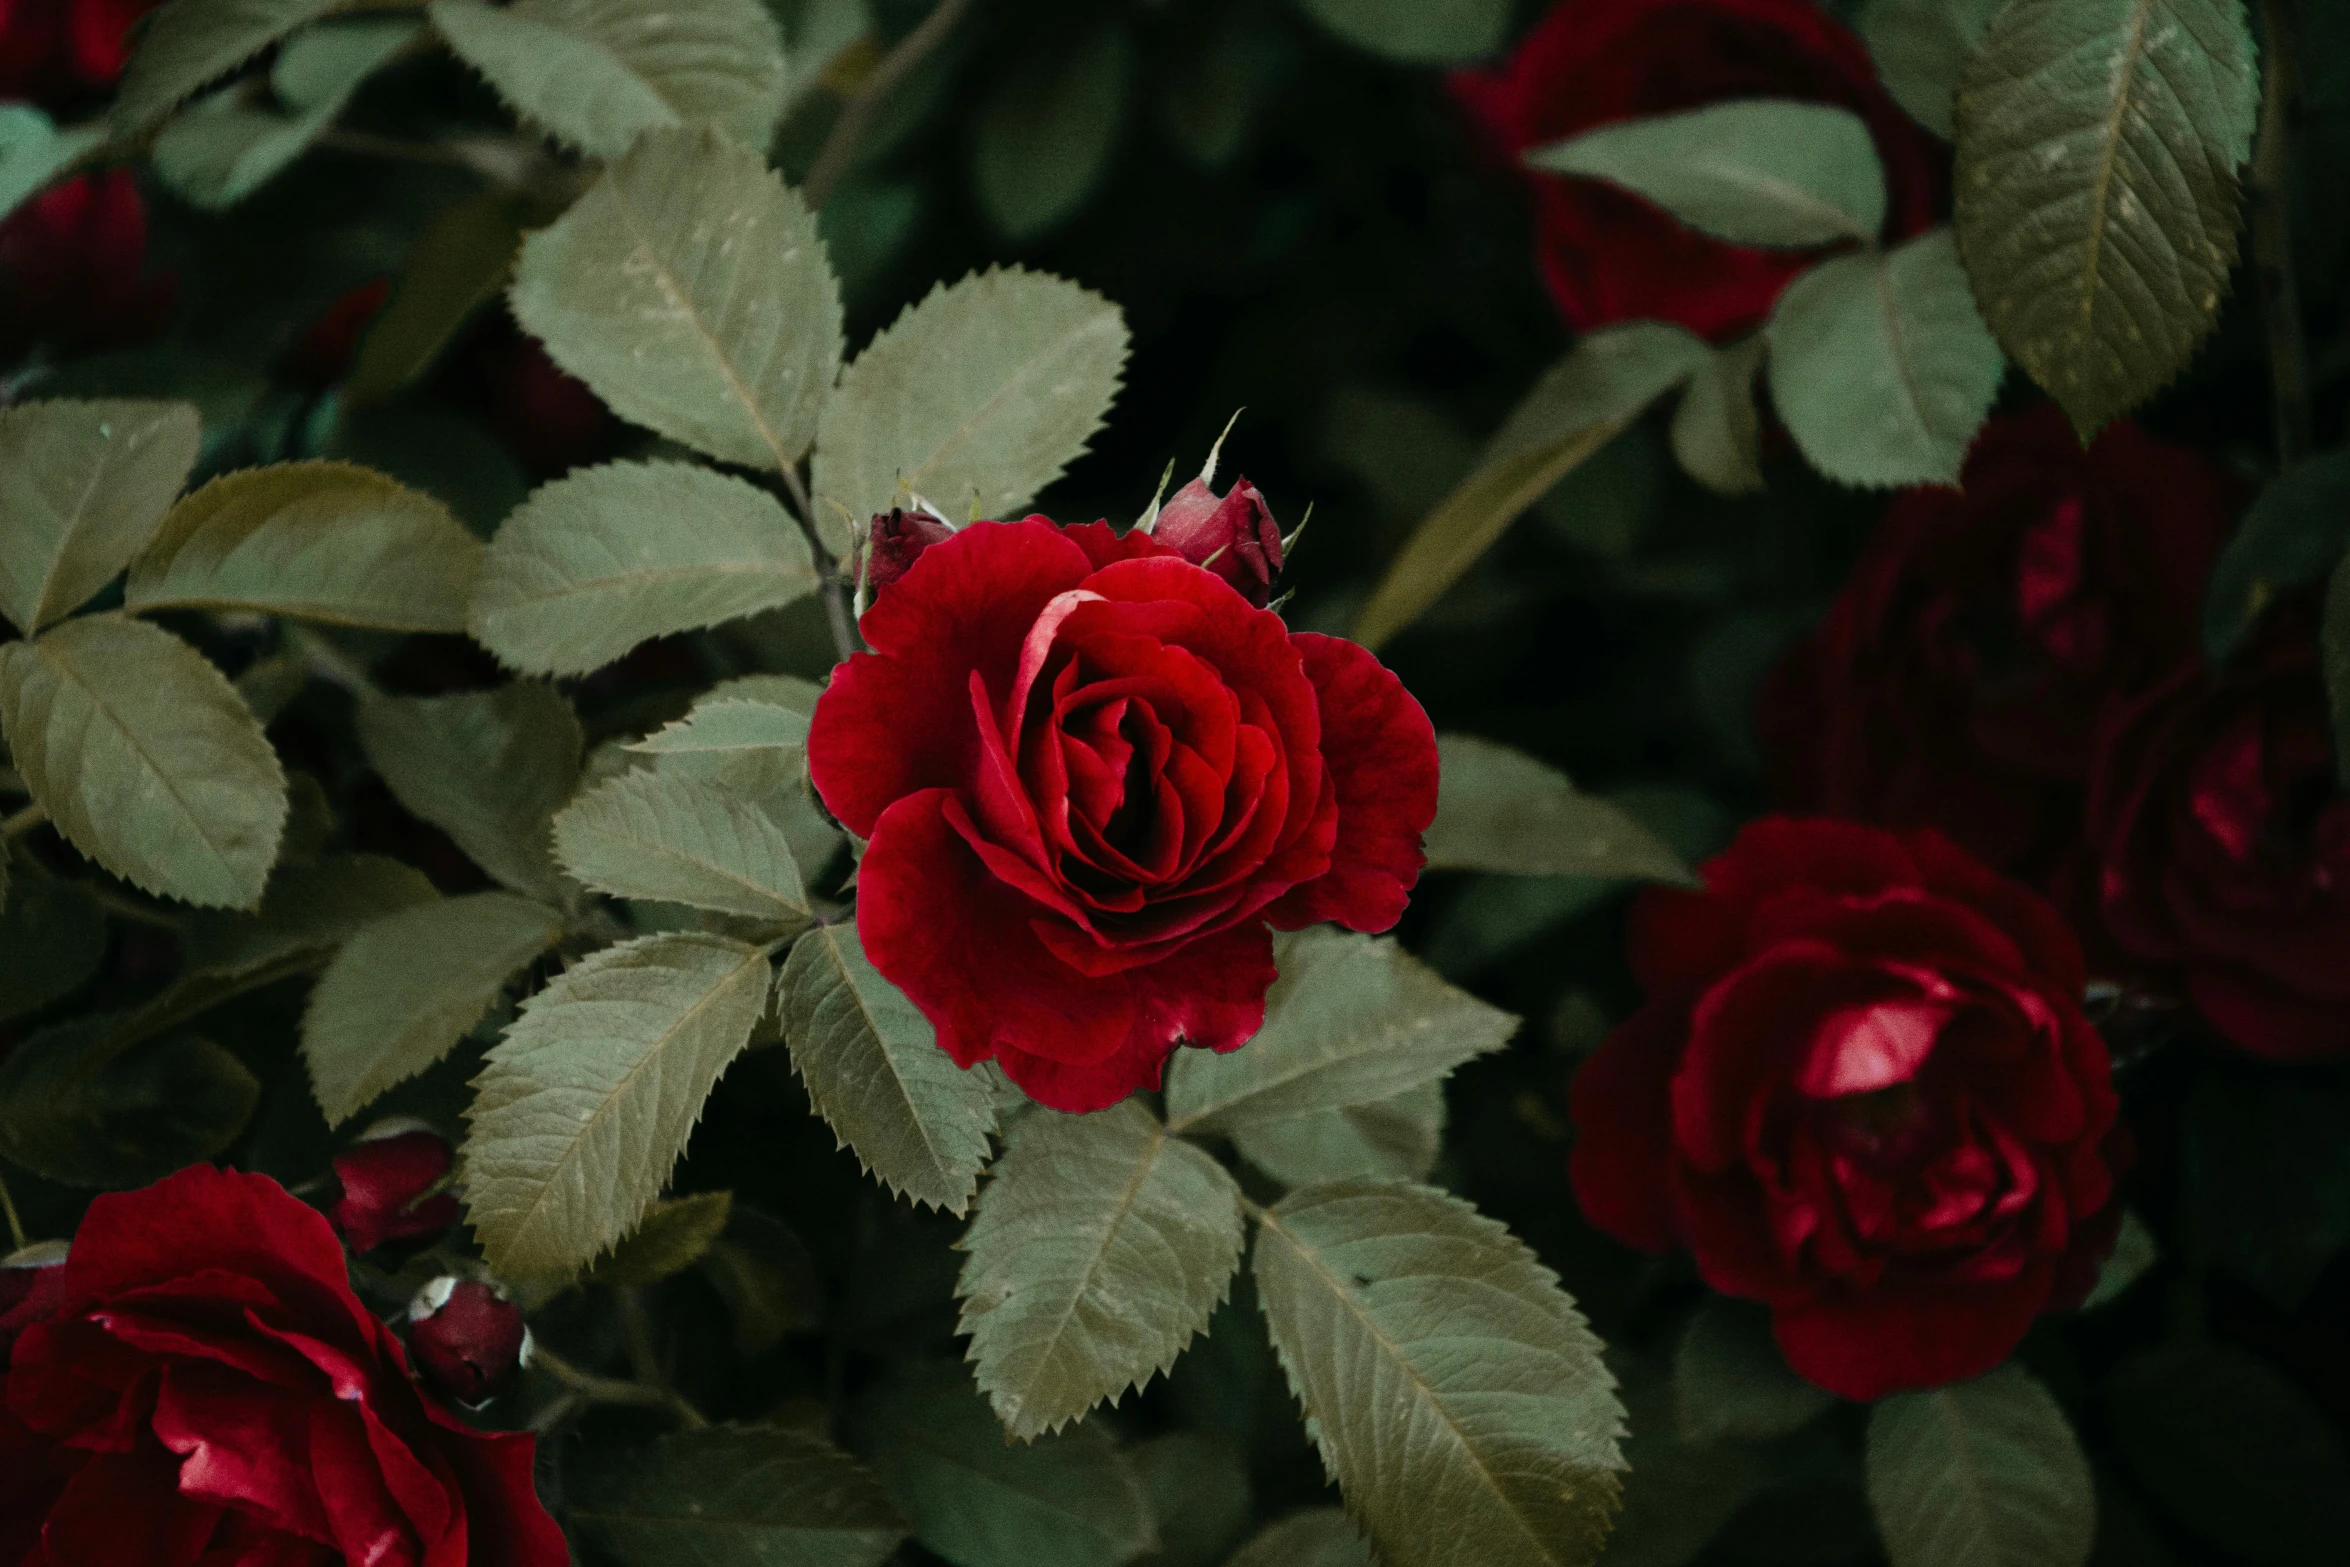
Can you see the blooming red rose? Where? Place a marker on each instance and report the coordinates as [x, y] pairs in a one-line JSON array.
[[1958, 680], [468, 1338], [1610, 256], [385, 1180], [52, 51], [1861, 1091], [203, 1389], [73, 269], [1092, 773], [1232, 535], [2223, 845]]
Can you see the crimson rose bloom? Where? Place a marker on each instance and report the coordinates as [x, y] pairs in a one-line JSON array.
[[52, 51], [1092, 773], [73, 269], [2223, 843], [1610, 256], [1862, 1091], [200, 1388], [1958, 680]]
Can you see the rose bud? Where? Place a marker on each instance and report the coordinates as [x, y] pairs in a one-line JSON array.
[[387, 1179], [1233, 535], [467, 1339], [897, 536]]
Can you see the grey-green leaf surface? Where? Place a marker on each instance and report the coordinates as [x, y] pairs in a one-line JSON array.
[[597, 74], [1098, 1250], [1580, 404], [1982, 1474], [1396, 1138], [2135, 1252], [1679, 1493], [1423, 32], [1352, 1020], [461, 261], [673, 1235], [324, 541], [732, 1496], [82, 486], [689, 288], [587, 1102], [874, 1071], [52, 937], [1316, 1537], [1199, 1493], [975, 399], [978, 1500], [1881, 365], [1753, 171], [1922, 49], [1498, 809], [725, 727], [145, 757], [1045, 133], [652, 835], [78, 1108], [1731, 1384], [33, 151], [608, 557], [2295, 531], [406, 987], [489, 768], [189, 44], [1717, 429], [1456, 1394], [2095, 190]]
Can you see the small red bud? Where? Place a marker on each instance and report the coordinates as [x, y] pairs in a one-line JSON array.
[[1232, 535], [895, 539], [385, 1177], [467, 1339]]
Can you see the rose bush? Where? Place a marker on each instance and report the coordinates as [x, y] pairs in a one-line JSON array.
[[1959, 677], [1092, 773], [73, 269], [1607, 254], [198, 1387], [1861, 1091]]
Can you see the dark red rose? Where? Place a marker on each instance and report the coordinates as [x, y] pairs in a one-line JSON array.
[[2223, 845], [385, 1179], [1861, 1091], [73, 269], [1232, 535], [206, 1389], [1092, 773], [896, 537], [1610, 256], [54, 51], [468, 1339], [1958, 680]]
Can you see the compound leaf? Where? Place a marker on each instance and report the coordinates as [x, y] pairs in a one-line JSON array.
[[1396, 1138], [489, 768], [680, 840]]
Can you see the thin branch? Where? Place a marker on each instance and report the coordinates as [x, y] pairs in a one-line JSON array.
[[23, 822], [856, 116], [2274, 271], [644, 1357], [16, 1234], [502, 160]]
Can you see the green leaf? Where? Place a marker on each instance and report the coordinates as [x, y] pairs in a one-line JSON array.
[[645, 835], [673, 1236], [33, 152], [1755, 171], [1731, 1384], [314, 540], [1922, 49], [2135, 1251], [1046, 132], [52, 937], [2095, 188], [82, 486], [587, 1102], [1881, 366], [189, 44], [406, 987], [690, 290], [608, 557], [1352, 1020], [461, 262], [2295, 531], [975, 399], [1198, 1487], [225, 147], [1678, 1493], [816, 34], [597, 74], [489, 768], [1436, 1358], [1071, 1500], [1580, 404], [731, 1496], [719, 727], [1501, 810], [1983, 1474], [145, 757], [1098, 1250], [1396, 1138], [1423, 32], [77, 1108], [768, 1280], [1717, 431], [1316, 1537], [2334, 643], [874, 1071]]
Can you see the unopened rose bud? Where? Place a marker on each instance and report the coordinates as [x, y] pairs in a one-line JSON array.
[[895, 539], [386, 1178], [1232, 535], [467, 1339]]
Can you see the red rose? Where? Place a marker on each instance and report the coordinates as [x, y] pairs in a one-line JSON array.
[[52, 51], [1092, 773], [1862, 1091], [1958, 679], [385, 1179], [204, 1388], [2223, 845], [73, 269], [894, 539], [1232, 535], [1610, 256], [469, 1339]]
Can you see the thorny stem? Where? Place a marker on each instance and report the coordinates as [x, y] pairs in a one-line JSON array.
[[2274, 272], [840, 147]]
